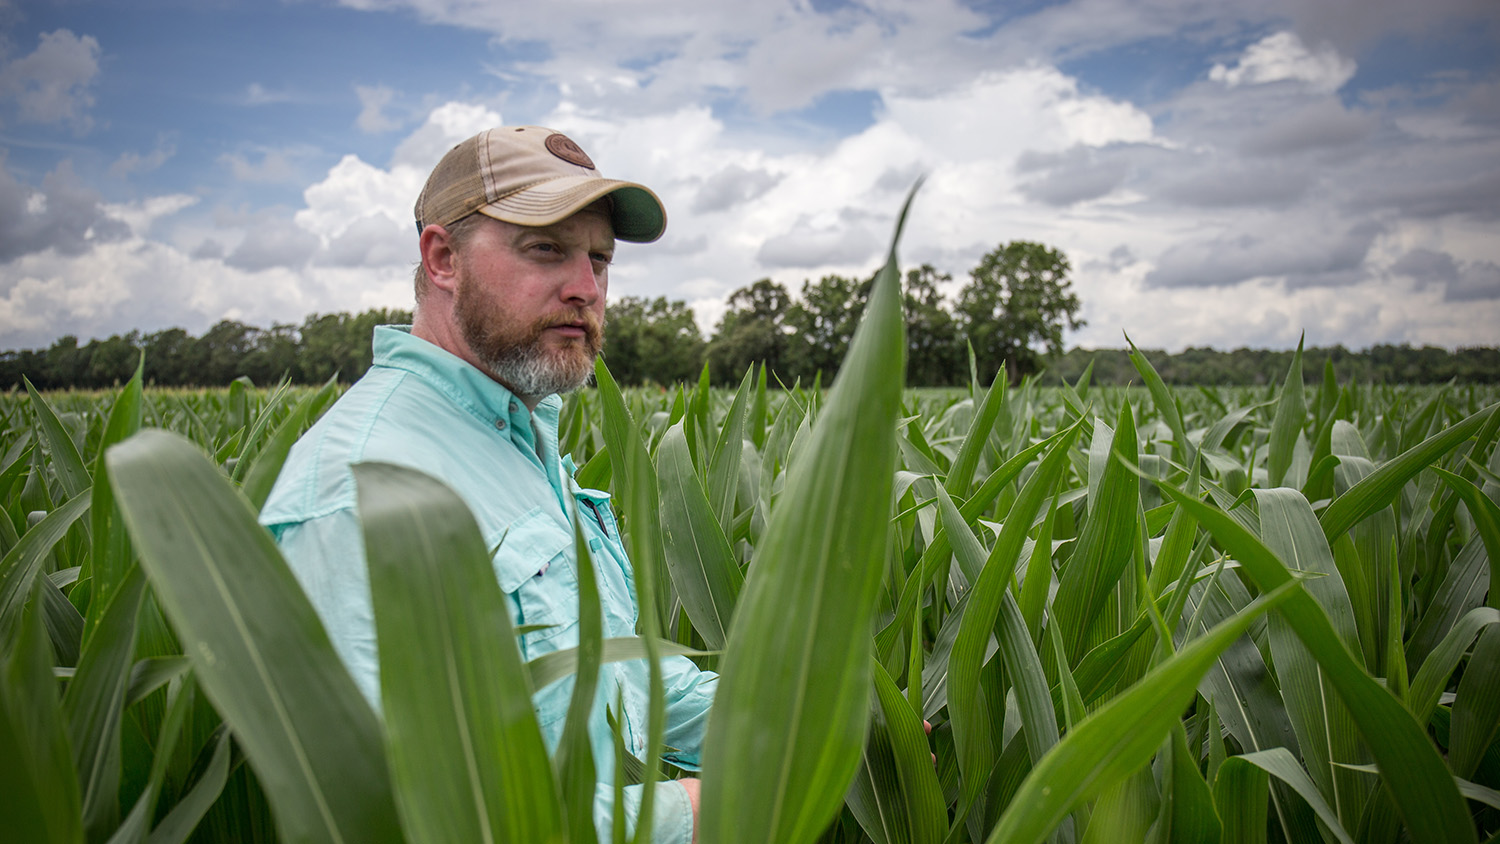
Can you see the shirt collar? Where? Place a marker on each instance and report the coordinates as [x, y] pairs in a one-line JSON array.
[[396, 347]]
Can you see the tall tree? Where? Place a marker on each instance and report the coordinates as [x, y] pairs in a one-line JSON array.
[[753, 330], [935, 350], [652, 340], [1015, 305], [823, 322]]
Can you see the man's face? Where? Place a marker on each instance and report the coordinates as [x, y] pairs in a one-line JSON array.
[[530, 300]]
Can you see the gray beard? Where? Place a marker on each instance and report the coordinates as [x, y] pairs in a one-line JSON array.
[[531, 375]]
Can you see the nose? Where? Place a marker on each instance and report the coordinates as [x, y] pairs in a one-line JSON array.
[[582, 286]]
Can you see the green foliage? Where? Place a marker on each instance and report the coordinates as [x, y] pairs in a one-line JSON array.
[[1018, 298], [1160, 613]]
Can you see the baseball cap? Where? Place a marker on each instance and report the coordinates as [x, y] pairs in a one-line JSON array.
[[532, 176]]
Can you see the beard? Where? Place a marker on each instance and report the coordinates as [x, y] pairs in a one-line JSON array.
[[519, 355]]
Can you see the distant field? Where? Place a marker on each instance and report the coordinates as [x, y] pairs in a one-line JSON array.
[[1072, 589]]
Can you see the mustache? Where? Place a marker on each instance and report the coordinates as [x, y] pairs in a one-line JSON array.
[[593, 325]]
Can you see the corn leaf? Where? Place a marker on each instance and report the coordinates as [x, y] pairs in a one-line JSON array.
[[1122, 735], [66, 462], [18, 570], [1380, 487], [1291, 414], [1423, 789], [1240, 797], [38, 786], [466, 753], [698, 555], [94, 703], [257, 647], [793, 699], [574, 762], [1279, 762]]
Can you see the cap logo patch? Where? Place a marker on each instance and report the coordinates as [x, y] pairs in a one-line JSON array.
[[563, 147]]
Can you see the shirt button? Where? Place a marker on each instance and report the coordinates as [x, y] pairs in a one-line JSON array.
[[500, 424], [515, 407]]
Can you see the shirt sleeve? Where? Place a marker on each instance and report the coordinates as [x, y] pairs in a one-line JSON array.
[[671, 814], [327, 556], [689, 694]]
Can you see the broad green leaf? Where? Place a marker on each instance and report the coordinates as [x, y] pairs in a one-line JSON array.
[[1187, 806], [1279, 762], [111, 556], [896, 796], [1124, 809], [1423, 790], [1122, 735], [136, 823], [1463, 589], [267, 461], [636, 478], [257, 647], [1327, 737], [1240, 796], [1476, 710], [151, 673], [1433, 676], [184, 817], [39, 797], [961, 472], [1166, 403], [66, 463], [94, 703], [977, 748], [940, 550], [18, 570], [698, 555], [574, 761], [724, 465], [1105, 543], [1291, 414], [466, 752], [793, 699], [1377, 490]]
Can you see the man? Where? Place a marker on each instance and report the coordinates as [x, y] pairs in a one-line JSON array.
[[517, 234]]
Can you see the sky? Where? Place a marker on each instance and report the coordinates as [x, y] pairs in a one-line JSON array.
[[1224, 173]]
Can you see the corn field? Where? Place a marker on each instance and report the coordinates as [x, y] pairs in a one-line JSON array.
[[1212, 615]]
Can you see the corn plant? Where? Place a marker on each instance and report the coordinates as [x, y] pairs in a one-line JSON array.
[[1240, 614]]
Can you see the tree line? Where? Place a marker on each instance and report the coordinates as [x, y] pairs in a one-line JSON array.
[[1012, 312]]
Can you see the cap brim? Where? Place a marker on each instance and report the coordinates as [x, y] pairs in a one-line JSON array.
[[638, 214]]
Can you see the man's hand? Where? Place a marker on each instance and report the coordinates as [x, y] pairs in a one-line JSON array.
[[691, 785]]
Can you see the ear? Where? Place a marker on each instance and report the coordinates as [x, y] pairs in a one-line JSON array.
[[438, 258]]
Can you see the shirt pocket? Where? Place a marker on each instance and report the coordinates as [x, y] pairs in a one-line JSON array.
[[534, 567]]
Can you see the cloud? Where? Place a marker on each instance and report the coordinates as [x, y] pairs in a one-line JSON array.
[[371, 241], [1320, 125], [275, 166], [373, 102], [1213, 182], [1467, 281], [806, 245], [1282, 57], [257, 94], [52, 83], [273, 242], [730, 186], [63, 215], [130, 162], [1302, 255], [1077, 174], [445, 126]]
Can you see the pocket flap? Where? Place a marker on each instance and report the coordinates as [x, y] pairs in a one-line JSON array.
[[530, 543]]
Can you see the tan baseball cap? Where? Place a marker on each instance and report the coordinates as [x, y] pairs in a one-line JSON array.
[[532, 176]]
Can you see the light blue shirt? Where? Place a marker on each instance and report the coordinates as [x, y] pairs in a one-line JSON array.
[[423, 407]]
